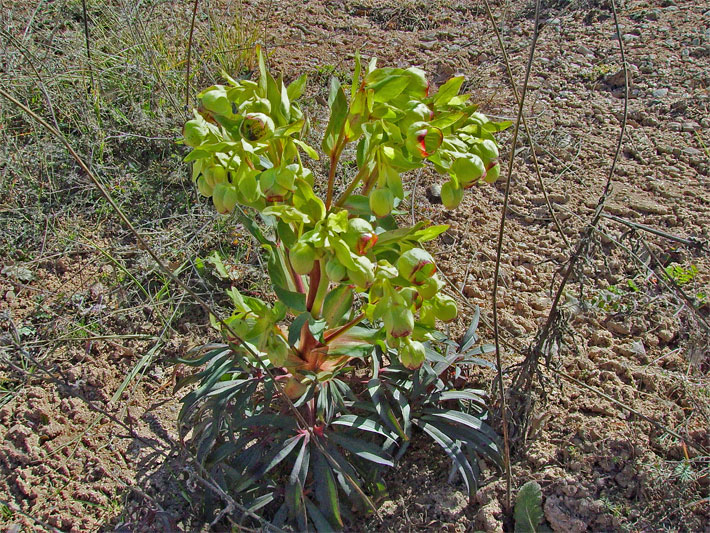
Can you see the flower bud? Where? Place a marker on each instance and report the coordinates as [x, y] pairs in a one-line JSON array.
[[493, 173], [410, 296], [302, 257], [256, 126], [426, 314], [451, 195], [381, 202], [256, 105], [487, 150], [224, 197], [445, 308], [203, 187], [216, 101], [360, 236], [469, 170], [430, 287], [363, 276], [194, 132], [399, 321], [412, 354], [416, 265], [423, 139], [335, 270]]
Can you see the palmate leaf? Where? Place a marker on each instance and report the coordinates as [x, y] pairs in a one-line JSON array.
[[383, 409], [362, 449], [364, 424], [475, 441], [454, 451], [464, 419]]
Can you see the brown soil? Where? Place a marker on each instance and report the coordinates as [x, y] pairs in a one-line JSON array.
[[73, 459]]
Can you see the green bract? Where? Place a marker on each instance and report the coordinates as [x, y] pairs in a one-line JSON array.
[[350, 339]]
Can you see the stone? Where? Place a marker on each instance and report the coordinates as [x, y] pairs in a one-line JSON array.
[[433, 194], [690, 126], [560, 519], [660, 93]]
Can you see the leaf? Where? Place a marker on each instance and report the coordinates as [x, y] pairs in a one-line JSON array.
[[528, 508], [294, 300], [388, 88], [454, 451], [326, 490], [294, 330], [364, 424], [362, 449], [252, 227], [319, 521], [448, 91], [336, 304], [300, 466], [338, 113], [296, 87], [497, 126], [383, 409], [308, 149], [470, 337]]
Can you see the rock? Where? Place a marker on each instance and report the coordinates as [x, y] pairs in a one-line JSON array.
[[674, 126], [690, 126], [620, 328], [433, 194], [705, 123], [660, 93], [489, 517], [581, 49], [560, 519], [665, 336], [633, 349], [647, 206]]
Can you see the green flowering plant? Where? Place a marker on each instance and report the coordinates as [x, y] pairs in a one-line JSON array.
[[351, 340]]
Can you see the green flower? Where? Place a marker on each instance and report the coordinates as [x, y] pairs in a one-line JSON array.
[[416, 265]]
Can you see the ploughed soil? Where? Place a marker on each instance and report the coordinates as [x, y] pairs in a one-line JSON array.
[[632, 335]]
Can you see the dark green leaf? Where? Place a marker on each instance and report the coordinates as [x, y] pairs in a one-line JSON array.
[[454, 451], [364, 424], [326, 489], [362, 449]]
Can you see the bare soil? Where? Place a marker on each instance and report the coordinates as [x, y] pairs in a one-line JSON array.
[[74, 458]]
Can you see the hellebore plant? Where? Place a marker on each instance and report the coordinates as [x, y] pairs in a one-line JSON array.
[[351, 337]]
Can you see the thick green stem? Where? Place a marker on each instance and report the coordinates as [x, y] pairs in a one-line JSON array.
[[295, 278], [334, 158], [322, 291], [354, 183]]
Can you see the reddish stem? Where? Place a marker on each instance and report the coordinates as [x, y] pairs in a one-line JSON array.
[[313, 283]]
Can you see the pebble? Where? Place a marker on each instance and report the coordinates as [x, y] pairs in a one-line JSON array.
[[581, 49], [690, 125], [674, 126], [433, 194], [660, 93], [705, 123]]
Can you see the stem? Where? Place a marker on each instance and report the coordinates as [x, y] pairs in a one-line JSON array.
[[338, 332], [322, 291], [334, 157], [313, 286], [297, 280], [351, 187]]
